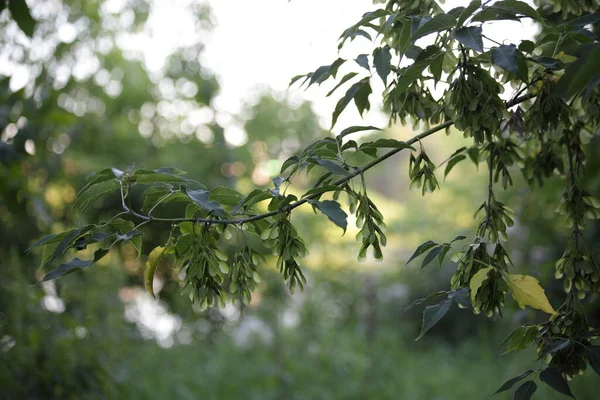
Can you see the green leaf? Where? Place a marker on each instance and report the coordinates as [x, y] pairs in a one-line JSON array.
[[593, 353], [433, 314], [333, 211], [505, 57], [423, 247], [169, 170], [94, 193], [549, 63], [553, 347], [520, 338], [554, 378], [382, 59], [225, 196], [580, 73], [511, 382], [453, 161], [73, 265], [293, 160], [412, 73], [477, 280], [20, 13], [438, 23], [461, 297], [151, 264], [430, 297], [470, 37], [584, 20], [467, 12], [494, 14], [41, 242], [354, 129], [344, 101], [201, 197], [371, 147], [527, 46], [363, 61], [255, 196], [518, 8], [332, 167], [525, 391], [321, 190], [345, 79], [326, 71], [143, 176], [361, 99], [430, 256]]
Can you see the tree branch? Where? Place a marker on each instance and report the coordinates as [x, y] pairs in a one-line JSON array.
[[305, 200]]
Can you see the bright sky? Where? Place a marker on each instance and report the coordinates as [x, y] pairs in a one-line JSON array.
[[261, 44]]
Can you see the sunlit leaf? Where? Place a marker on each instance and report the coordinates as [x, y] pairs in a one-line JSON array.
[[526, 290], [477, 280]]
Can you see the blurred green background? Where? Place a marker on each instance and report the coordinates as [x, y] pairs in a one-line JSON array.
[[86, 104]]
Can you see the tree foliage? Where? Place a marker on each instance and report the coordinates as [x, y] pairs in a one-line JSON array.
[[527, 107]]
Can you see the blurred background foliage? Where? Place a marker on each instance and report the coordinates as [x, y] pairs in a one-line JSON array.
[[72, 102]]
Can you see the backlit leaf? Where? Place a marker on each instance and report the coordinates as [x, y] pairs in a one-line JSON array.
[[477, 280], [151, 264], [526, 290]]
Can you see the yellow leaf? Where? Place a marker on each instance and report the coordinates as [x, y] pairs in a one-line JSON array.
[[477, 280], [151, 265], [527, 291]]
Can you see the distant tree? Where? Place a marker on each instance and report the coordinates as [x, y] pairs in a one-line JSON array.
[[541, 130]]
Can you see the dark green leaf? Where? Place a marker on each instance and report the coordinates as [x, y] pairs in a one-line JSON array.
[[333, 211], [363, 61], [433, 314], [527, 46], [404, 37], [201, 197], [453, 161], [332, 167], [41, 242], [68, 240], [361, 99], [470, 37], [430, 297], [344, 101], [296, 79], [437, 66], [584, 20], [456, 239], [494, 14], [431, 256], [169, 170], [354, 129], [549, 62], [411, 73], [511, 382], [73, 265], [518, 8], [468, 11], [525, 391], [320, 190], [505, 57], [326, 71], [553, 347], [293, 160], [553, 378], [256, 196], [461, 297], [20, 13], [438, 23], [386, 144], [94, 193], [593, 353], [345, 79], [382, 59], [580, 73], [423, 247], [143, 176], [225, 196]]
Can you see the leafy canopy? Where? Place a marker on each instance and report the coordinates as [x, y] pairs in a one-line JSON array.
[[419, 51]]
